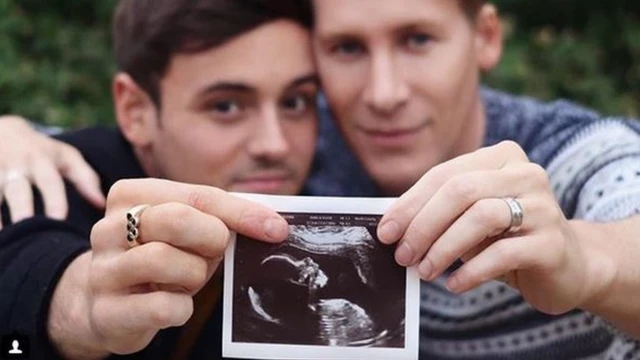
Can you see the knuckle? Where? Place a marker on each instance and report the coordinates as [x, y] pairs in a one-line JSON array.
[[186, 311], [101, 235], [202, 198], [544, 210], [438, 173], [443, 256], [506, 253], [122, 189], [160, 314], [179, 210], [539, 175], [223, 234], [169, 311], [196, 274], [512, 148], [177, 216], [70, 151], [462, 188], [158, 252], [484, 213], [420, 237]]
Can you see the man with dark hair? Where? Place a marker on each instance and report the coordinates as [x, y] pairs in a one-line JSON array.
[[195, 104]]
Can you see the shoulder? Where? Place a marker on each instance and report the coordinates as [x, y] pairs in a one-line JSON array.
[[541, 128], [91, 138], [107, 151]]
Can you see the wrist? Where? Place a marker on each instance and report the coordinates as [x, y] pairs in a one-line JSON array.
[[601, 269], [69, 326]]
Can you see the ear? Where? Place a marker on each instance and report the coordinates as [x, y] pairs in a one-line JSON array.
[[136, 113], [489, 37]]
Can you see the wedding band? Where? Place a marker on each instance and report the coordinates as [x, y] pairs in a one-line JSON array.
[[517, 215], [133, 224], [12, 175]]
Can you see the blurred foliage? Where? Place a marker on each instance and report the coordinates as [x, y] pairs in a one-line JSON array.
[[56, 60], [584, 50]]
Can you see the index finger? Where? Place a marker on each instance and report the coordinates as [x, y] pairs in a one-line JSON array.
[[51, 186], [396, 220], [240, 215]]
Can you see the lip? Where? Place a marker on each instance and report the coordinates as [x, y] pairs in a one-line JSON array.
[[392, 137], [263, 183]]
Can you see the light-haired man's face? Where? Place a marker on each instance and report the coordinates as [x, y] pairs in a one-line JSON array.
[[402, 78], [241, 116]]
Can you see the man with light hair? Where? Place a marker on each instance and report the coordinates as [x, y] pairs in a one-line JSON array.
[[542, 197]]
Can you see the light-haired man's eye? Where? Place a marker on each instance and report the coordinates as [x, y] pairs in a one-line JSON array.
[[348, 49], [417, 41]]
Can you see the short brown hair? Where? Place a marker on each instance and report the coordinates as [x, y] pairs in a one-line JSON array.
[[147, 33], [471, 7]]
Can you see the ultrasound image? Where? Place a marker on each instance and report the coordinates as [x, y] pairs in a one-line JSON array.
[[331, 283]]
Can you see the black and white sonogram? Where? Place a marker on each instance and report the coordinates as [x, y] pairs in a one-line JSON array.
[[331, 284], [331, 290]]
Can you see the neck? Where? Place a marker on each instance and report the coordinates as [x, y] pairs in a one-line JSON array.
[[146, 159], [472, 138]]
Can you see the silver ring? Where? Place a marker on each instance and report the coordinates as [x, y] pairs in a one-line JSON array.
[[12, 175], [517, 215], [133, 224]]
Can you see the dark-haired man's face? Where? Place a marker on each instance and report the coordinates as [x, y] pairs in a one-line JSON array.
[[402, 78], [241, 116]]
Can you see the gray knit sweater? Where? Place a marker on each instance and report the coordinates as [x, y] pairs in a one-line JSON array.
[[594, 166]]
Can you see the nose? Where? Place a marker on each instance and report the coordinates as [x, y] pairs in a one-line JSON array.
[[386, 90], [269, 141]]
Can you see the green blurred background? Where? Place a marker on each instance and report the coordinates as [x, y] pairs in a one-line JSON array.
[[56, 62]]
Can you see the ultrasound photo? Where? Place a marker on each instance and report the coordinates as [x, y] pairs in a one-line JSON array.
[[330, 284]]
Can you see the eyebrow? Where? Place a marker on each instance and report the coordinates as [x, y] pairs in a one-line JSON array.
[[309, 78], [245, 88], [350, 32], [227, 86]]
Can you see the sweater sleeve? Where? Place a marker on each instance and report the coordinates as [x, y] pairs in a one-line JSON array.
[[596, 175], [33, 256]]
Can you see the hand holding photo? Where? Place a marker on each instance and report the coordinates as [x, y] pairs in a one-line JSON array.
[[330, 291]]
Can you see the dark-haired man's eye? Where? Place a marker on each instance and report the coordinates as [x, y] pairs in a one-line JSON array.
[[225, 107], [225, 110], [297, 103]]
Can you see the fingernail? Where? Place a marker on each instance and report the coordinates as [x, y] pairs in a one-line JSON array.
[[404, 254], [276, 229], [425, 269], [388, 232], [453, 284]]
